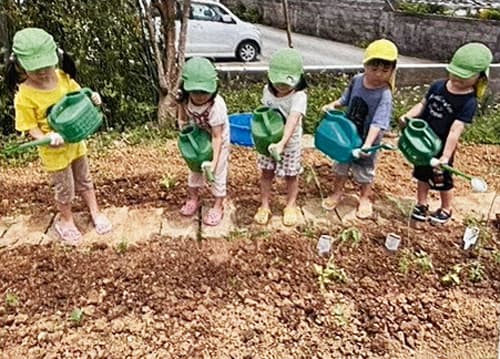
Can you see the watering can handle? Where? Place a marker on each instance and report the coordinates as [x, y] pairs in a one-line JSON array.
[[207, 171], [193, 143], [455, 171], [40, 142], [377, 147]]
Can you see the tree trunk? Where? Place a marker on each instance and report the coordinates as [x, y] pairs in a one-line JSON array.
[[287, 23]]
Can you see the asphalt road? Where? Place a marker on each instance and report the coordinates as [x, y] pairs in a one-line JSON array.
[[315, 51]]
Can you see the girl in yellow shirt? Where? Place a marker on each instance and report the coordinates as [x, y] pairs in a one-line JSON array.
[[38, 84]]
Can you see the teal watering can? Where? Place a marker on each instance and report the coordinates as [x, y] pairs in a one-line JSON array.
[[337, 137]]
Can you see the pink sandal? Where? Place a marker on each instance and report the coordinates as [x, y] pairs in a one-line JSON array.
[[102, 224], [69, 235], [213, 217], [190, 208]]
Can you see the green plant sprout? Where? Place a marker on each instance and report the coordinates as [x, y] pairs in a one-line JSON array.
[[351, 235], [476, 272], [122, 246], [453, 276], [76, 316], [168, 182], [11, 300], [405, 262], [340, 315], [330, 273], [423, 261]]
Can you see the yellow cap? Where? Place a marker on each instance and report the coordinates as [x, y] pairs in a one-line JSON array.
[[381, 49]]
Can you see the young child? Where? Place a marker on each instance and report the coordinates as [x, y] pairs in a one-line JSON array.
[[285, 92], [200, 104], [369, 106], [447, 107], [38, 84]]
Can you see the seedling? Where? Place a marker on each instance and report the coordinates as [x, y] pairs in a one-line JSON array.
[[424, 261], [76, 316], [405, 262], [11, 300], [237, 234], [311, 176], [309, 229], [340, 315], [453, 276], [330, 273], [476, 272], [496, 257], [168, 182], [122, 246], [351, 235]]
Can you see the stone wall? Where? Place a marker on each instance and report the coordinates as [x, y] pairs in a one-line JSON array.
[[359, 22]]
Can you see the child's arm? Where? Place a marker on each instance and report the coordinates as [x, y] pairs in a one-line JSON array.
[[56, 139], [216, 145], [372, 135], [414, 112], [452, 140], [291, 122], [332, 106]]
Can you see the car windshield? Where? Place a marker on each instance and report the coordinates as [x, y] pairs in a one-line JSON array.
[[206, 12]]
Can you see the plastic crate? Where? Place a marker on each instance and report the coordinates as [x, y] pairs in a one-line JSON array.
[[240, 126]]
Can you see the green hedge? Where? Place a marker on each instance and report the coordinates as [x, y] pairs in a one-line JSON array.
[[107, 42]]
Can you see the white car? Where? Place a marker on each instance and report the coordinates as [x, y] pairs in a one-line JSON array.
[[215, 32]]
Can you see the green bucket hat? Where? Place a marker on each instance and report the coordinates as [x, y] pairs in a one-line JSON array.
[[286, 67], [469, 60], [199, 74], [34, 49]]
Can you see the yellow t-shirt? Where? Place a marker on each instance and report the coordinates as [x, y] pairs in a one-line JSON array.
[[31, 106]]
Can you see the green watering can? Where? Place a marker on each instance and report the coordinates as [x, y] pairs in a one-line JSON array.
[[74, 117], [419, 144], [267, 128], [195, 145], [337, 137]]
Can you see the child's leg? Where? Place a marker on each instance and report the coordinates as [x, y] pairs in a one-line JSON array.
[[292, 185], [422, 192], [219, 190], [364, 174], [446, 200], [84, 186], [195, 181], [266, 182], [341, 175]]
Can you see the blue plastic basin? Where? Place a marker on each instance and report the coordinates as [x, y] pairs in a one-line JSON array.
[[241, 133]]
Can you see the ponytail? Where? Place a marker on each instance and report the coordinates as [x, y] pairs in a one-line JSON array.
[[13, 73], [67, 63]]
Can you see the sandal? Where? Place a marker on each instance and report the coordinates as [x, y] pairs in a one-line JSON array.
[[330, 203], [190, 208], [102, 224], [213, 217], [290, 216], [70, 235], [364, 211], [262, 216]]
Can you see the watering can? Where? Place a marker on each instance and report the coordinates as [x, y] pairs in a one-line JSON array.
[[267, 128], [195, 145], [337, 137], [74, 117], [419, 144]]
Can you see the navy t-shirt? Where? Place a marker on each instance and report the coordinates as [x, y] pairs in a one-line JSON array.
[[442, 108]]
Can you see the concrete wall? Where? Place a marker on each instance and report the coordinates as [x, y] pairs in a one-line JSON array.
[[359, 22]]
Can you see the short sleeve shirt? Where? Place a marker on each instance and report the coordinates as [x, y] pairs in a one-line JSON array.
[[367, 107], [293, 102], [442, 108], [31, 107], [210, 115]]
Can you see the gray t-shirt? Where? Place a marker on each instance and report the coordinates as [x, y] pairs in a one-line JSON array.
[[367, 107]]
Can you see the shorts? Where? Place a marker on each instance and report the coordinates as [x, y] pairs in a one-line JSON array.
[[74, 178], [362, 174], [290, 164], [436, 178]]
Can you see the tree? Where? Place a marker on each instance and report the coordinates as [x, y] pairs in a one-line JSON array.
[[169, 58]]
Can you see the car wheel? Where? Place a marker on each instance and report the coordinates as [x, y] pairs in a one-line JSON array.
[[247, 51]]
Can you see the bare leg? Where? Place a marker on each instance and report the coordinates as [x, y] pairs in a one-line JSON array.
[[446, 200], [292, 184], [366, 191], [219, 203], [66, 215], [90, 198], [422, 192], [266, 181], [338, 188]]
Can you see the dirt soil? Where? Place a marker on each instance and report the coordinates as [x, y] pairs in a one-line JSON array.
[[256, 295]]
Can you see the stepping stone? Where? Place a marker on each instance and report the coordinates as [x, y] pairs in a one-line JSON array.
[[25, 230], [314, 213], [175, 225], [225, 227], [346, 208]]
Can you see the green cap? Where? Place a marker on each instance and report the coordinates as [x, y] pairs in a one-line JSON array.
[[199, 74], [34, 49], [286, 67], [469, 60]]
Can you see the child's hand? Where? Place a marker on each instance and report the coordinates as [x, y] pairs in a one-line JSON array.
[[56, 139], [327, 108], [96, 98], [403, 121]]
